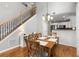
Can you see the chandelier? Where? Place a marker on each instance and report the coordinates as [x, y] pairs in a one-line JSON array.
[[47, 16]]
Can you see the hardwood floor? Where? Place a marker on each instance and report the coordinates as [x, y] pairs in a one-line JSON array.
[[64, 51], [58, 51], [17, 52]]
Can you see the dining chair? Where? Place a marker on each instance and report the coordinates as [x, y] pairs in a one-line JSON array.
[[30, 36], [39, 34], [56, 36], [27, 44], [53, 33], [34, 50]]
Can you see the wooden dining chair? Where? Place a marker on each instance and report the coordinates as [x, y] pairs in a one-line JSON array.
[[53, 33], [34, 49], [27, 44], [39, 34], [30, 36], [35, 36]]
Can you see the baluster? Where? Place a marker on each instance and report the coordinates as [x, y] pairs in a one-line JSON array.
[[9, 26], [0, 32], [16, 22], [20, 20], [23, 18], [8, 30], [12, 25], [5, 29], [13, 21]]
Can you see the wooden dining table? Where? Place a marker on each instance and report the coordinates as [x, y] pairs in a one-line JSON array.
[[45, 42]]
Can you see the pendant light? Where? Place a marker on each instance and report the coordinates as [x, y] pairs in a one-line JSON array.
[[47, 16]]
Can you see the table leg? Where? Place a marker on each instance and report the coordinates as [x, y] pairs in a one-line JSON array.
[[49, 53]]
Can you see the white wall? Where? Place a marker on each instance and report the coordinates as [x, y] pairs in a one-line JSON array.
[[77, 25], [67, 37]]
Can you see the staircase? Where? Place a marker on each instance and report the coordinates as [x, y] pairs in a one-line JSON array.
[[9, 26]]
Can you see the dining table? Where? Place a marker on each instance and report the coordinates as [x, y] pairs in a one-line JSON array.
[[48, 42]]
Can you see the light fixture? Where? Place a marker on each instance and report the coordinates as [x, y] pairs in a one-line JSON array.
[[51, 17], [47, 16], [43, 18]]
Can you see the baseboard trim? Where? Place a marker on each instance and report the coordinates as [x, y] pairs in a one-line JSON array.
[[9, 49]]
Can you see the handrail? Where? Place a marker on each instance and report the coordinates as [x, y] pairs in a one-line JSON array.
[[8, 26]]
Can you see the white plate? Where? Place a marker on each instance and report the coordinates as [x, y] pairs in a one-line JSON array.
[[53, 40], [42, 38]]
